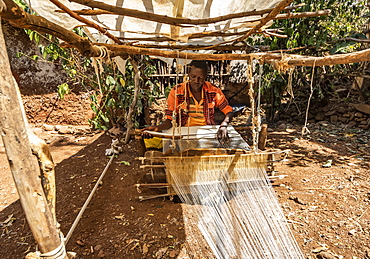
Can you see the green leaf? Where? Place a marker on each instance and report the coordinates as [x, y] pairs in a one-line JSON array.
[[110, 80], [125, 162], [94, 108], [63, 89]]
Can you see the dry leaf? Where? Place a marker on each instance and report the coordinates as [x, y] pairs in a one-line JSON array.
[[145, 248]]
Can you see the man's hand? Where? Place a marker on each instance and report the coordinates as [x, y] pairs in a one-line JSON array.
[[163, 126], [151, 128], [222, 135]]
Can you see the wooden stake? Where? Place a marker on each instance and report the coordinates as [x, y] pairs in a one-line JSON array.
[[23, 164], [131, 109], [262, 138]]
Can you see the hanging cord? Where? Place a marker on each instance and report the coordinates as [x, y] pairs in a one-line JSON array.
[[74, 225], [305, 130], [258, 119], [252, 102], [185, 79], [174, 113]]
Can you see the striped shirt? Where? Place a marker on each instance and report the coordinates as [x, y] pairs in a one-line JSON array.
[[179, 100]]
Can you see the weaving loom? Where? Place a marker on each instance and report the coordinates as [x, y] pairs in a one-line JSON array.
[[230, 196]]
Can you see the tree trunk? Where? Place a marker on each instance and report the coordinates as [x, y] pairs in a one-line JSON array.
[[23, 164]]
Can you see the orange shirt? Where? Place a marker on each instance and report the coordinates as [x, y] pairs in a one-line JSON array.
[[196, 112], [179, 100]]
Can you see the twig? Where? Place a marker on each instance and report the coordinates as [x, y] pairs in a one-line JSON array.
[[295, 222], [86, 21], [363, 213]]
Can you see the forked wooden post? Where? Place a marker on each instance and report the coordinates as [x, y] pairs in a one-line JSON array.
[[23, 164]]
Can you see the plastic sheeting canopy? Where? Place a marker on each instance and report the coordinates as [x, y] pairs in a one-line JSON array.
[[135, 30]]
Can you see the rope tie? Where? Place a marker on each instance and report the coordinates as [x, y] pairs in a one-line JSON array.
[[59, 252]]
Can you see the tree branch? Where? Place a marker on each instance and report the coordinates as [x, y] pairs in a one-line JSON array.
[[110, 9], [18, 18], [283, 4], [85, 21]]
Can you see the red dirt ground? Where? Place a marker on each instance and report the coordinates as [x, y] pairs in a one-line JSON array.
[[327, 207]]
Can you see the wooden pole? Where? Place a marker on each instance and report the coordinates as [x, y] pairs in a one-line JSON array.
[[23, 164], [130, 112]]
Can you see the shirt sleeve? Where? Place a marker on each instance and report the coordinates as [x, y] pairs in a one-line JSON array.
[[170, 104], [222, 103]]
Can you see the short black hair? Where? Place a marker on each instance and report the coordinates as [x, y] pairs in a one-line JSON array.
[[202, 64]]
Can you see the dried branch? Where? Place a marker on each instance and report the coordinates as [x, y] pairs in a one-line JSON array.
[[269, 57], [85, 21], [265, 20], [246, 48], [162, 18], [356, 40], [18, 18], [302, 14], [196, 36]]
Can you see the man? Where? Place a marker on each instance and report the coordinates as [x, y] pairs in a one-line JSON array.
[[193, 103]]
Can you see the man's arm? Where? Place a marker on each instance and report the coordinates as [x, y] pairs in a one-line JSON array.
[[163, 126], [222, 135], [228, 118]]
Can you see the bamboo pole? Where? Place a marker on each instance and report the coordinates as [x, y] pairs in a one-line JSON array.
[[23, 164]]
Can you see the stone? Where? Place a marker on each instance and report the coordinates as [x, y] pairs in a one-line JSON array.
[[360, 119], [364, 108], [364, 127], [101, 254], [98, 247], [341, 109], [320, 116], [324, 123], [48, 127], [351, 124], [359, 114], [38, 131], [294, 114], [346, 115], [63, 129], [282, 126], [342, 119], [352, 116], [334, 119], [326, 255], [330, 113]]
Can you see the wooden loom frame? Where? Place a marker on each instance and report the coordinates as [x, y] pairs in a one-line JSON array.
[[17, 17]]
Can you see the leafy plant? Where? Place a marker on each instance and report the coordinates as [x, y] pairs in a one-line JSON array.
[[313, 36]]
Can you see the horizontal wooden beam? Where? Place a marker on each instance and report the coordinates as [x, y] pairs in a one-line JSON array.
[[354, 57], [19, 18], [291, 60]]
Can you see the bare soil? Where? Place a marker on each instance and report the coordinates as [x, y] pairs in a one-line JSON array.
[[327, 207]]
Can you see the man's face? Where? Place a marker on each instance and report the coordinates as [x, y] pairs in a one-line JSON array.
[[197, 77]]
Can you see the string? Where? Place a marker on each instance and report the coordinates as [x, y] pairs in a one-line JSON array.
[[233, 206], [305, 129], [258, 122]]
